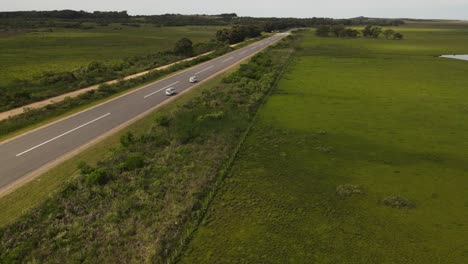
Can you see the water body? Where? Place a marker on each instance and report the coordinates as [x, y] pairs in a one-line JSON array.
[[458, 57]]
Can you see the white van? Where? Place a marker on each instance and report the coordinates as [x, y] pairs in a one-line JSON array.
[[170, 91]]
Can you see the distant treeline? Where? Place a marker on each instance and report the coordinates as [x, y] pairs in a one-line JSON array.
[[37, 18], [341, 31], [64, 14]]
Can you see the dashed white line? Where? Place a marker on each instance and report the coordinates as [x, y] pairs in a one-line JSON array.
[[148, 95], [253, 47], [228, 59], [243, 52], [61, 135], [204, 70]]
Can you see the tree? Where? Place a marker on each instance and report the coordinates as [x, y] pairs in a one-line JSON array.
[[236, 35], [222, 35], [370, 31], [184, 47], [389, 33], [349, 33], [337, 30], [323, 31], [398, 36], [367, 31], [376, 31]]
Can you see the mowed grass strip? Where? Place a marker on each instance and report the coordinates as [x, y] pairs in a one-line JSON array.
[[354, 126], [26, 54]]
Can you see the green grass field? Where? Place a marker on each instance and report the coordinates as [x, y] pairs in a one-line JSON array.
[[385, 116], [26, 54]]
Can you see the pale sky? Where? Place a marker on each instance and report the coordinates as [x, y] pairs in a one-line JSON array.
[[448, 9]]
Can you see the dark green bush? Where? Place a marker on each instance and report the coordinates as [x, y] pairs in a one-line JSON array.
[[127, 139], [97, 177], [134, 161], [84, 168], [163, 120]]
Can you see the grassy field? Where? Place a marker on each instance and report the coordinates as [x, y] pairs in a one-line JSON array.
[[28, 53], [352, 123]]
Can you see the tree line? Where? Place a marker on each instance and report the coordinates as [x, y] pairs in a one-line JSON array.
[[64, 14], [266, 24], [238, 34], [340, 31]]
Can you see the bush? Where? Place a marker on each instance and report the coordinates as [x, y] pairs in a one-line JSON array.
[[84, 168], [347, 190], [97, 177], [398, 36], [163, 120], [127, 139], [323, 31], [398, 202], [134, 161]]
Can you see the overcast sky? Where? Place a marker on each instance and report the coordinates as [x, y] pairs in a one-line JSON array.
[[449, 9]]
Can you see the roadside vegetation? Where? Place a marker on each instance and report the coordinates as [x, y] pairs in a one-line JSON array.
[[359, 156], [35, 116], [138, 203]]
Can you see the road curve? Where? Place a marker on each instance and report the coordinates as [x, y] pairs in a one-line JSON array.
[[31, 153]]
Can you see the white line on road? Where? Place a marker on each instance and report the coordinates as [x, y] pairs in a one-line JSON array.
[[59, 136], [204, 70], [253, 47], [228, 59], [243, 52], [148, 95]]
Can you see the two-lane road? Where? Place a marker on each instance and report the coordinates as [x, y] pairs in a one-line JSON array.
[[32, 152]]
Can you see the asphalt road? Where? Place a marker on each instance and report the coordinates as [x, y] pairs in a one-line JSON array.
[[32, 152]]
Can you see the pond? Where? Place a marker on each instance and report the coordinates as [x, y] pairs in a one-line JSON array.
[[458, 57]]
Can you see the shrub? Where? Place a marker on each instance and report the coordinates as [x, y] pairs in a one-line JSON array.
[[398, 202], [323, 31], [127, 139], [134, 161], [370, 31], [98, 177], [347, 190], [389, 33], [163, 120], [84, 168], [398, 36]]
